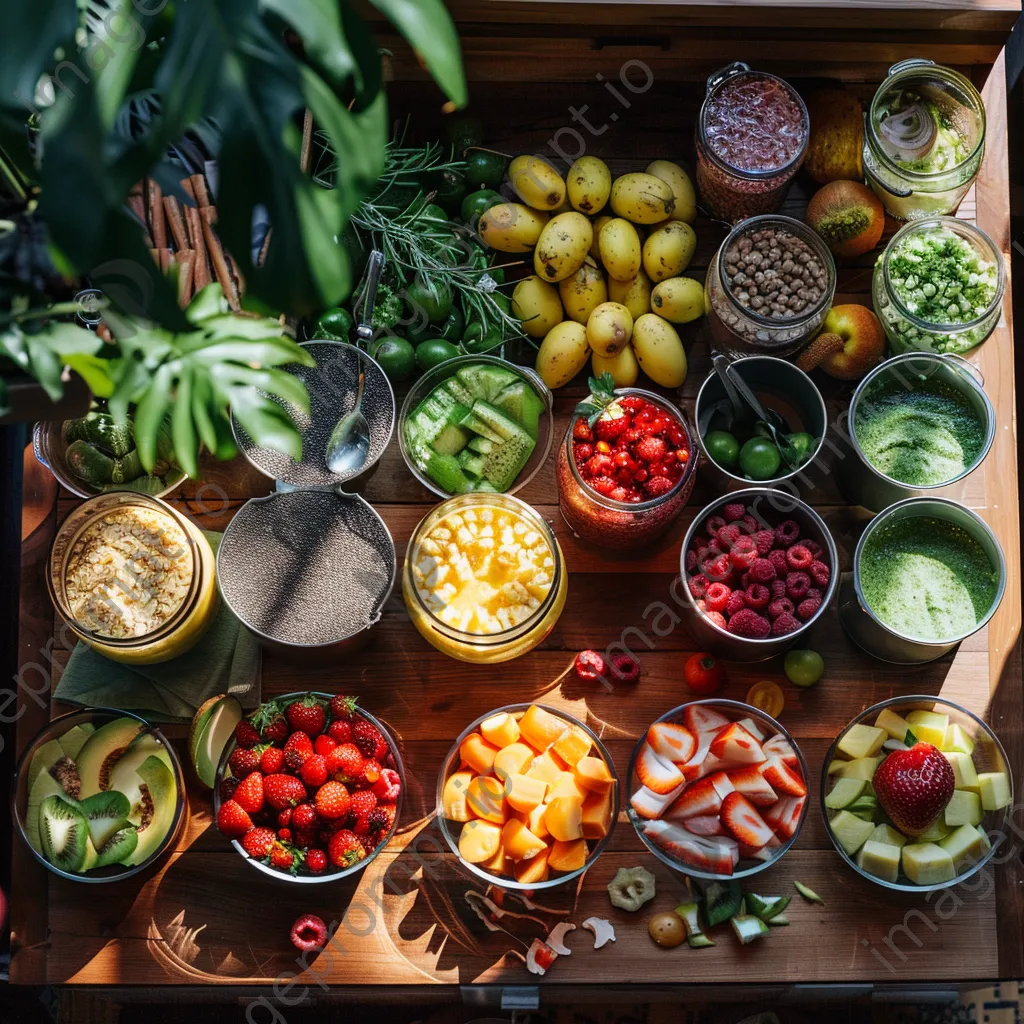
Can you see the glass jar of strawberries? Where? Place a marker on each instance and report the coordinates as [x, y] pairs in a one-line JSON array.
[[626, 468]]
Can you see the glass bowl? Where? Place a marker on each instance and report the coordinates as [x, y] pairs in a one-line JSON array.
[[451, 828], [96, 718], [735, 711], [328, 875], [988, 756], [422, 387]]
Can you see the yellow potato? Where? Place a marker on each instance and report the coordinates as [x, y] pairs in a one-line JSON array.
[[659, 351], [635, 294], [622, 366], [511, 227], [682, 189], [668, 251], [562, 353], [583, 292], [536, 304], [599, 222], [562, 246], [609, 328], [536, 182], [642, 198], [619, 245], [679, 299], [589, 183]]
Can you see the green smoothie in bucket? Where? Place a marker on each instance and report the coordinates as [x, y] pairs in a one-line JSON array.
[[924, 436], [927, 579]]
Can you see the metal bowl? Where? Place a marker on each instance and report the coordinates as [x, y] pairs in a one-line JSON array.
[[733, 710], [332, 387], [20, 790], [328, 875], [989, 755], [49, 446]]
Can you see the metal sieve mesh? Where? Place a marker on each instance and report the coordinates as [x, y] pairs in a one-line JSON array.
[[332, 390], [306, 567]]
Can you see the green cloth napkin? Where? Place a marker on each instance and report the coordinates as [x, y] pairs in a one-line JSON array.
[[226, 659]]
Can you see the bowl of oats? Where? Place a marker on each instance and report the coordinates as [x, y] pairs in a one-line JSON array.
[[133, 578]]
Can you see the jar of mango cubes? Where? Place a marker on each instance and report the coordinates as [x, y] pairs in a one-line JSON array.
[[484, 578], [527, 797]]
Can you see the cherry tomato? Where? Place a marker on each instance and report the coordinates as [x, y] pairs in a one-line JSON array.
[[767, 696], [703, 673]]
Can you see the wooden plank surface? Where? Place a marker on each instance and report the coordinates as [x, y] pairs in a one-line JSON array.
[[405, 920]]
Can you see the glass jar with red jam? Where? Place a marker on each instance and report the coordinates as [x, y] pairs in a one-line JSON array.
[[752, 136], [625, 474]]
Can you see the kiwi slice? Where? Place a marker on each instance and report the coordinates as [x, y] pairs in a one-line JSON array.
[[118, 847], [106, 813], [64, 833], [721, 901]]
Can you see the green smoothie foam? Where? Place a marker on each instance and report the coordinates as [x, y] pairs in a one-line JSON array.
[[926, 578], [923, 437]]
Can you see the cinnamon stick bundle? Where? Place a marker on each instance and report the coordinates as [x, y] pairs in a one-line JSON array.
[[185, 260], [177, 222], [157, 223], [218, 258]]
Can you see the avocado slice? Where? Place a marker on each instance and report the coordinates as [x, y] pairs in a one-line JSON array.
[[162, 791], [101, 751]]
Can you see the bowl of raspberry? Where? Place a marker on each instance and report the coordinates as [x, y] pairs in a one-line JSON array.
[[760, 568], [626, 468], [309, 787]]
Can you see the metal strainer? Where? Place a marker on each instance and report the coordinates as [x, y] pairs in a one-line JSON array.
[[332, 386], [307, 570]]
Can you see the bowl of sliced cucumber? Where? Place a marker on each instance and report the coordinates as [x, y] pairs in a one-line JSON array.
[[476, 423]]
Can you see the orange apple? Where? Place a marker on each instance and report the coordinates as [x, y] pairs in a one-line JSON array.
[[852, 342]]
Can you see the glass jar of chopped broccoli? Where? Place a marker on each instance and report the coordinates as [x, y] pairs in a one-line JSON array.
[[938, 286], [924, 139]]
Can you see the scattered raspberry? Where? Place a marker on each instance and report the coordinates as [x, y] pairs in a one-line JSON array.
[[314, 770], [728, 535], [784, 624], [309, 933], [765, 540], [750, 524], [798, 557], [246, 734], [815, 593], [388, 787], [820, 573], [748, 623], [383, 817], [743, 552], [717, 597], [762, 571], [323, 745], [717, 618], [316, 861], [812, 545], [257, 842], [807, 607], [658, 485], [736, 601], [780, 606], [778, 589], [797, 585], [745, 580], [713, 525], [589, 665], [304, 817], [733, 512], [757, 596], [698, 586], [787, 532], [271, 760], [718, 568], [690, 560], [624, 669]]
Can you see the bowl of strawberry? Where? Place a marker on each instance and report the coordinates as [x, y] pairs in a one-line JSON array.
[[626, 467], [309, 787], [760, 570], [717, 789]]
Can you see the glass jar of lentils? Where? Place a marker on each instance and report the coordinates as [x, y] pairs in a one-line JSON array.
[[769, 287], [752, 135]]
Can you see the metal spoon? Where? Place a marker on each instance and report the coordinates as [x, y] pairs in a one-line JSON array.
[[349, 444], [773, 422], [735, 402]]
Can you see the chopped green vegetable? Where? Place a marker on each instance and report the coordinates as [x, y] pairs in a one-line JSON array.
[[748, 928], [808, 894], [722, 900], [690, 913], [631, 888], [910, 739], [766, 907], [778, 921]]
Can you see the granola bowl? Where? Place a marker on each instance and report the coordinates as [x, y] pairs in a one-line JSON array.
[[133, 578]]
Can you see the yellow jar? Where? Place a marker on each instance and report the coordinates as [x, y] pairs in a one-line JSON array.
[[484, 578], [133, 578]]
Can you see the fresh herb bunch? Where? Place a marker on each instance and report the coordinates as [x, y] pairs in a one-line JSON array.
[[602, 394]]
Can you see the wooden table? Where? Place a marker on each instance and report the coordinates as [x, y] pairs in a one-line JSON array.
[[405, 921]]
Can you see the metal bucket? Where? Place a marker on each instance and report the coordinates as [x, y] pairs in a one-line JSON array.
[[864, 626], [770, 507], [865, 485]]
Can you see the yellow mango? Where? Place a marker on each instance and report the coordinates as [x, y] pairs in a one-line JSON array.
[[486, 799], [562, 246], [511, 227], [533, 870], [599, 222], [479, 841], [622, 366], [568, 856], [609, 328], [596, 814], [619, 247], [537, 305], [564, 818], [668, 250], [634, 294], [501, 729], [573, 744], [453, 796], [659, 351], [562, 354], [583, 292], [524, 793], [682, 189], [545, 767], [536, 182], [540, 727], [589, 183], [519, 842], [566, 785], [593, 774], [477, 752], [513, 759], [642, 198], [678, 299]]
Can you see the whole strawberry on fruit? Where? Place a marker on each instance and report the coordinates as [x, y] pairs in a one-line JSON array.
[[232, 819], [913, 786], [283, 791], [343, 707], [345, 849], [306, 715]]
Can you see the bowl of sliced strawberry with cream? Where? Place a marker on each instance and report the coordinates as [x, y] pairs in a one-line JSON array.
[[717, 788]]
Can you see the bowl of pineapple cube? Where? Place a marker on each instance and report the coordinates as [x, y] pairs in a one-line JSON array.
[[528, 797], [916, 793]]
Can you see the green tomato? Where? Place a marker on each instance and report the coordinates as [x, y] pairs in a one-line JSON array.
[[485, 169], [434, 352], [803, 443], [476, 340], [334, 323], [396, 357], [759, 459], [803, 668], [453, 325], [722, 448], [434, 299], [477, 203]]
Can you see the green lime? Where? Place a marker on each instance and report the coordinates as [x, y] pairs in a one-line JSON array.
[[759, 459], [804, 444], [334, 323], [484, 169], [434, 352], [477, 203], [722, 448], [453, 325], [803, 668], [435, 300], [476, 340], [397, 358], [419, 330]]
